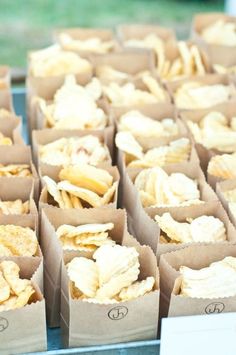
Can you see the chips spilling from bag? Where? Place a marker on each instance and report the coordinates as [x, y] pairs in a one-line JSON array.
[[21, 170], [17, 241], [157, 188], [218, 280], [128, 94], [74, 106], [92, 44], [111, 278], [14, 207], [52, 61], [15, 292], [196, 95], [221, 33], [86, 237], [223, 166], [214, 131], [200, 229], [176, 152], [65, 151], [143, 126], [82, 186]]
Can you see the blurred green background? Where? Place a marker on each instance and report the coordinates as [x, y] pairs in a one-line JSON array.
[[28, 24]]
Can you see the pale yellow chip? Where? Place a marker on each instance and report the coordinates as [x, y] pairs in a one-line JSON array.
[[53, 190], [137, 289], [84, 273], [21, 241], [223, 166], [21, 170], [4, 288], [88, 177], [11, 272]]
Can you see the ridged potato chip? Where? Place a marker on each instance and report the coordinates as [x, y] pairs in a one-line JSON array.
[[223, 166], [14, 291], [75, 106], [84, 273], [21, 241], [215, 281], [201, 229], [53, 190], [157, 188], [140, 125], [65, 151], [53, 61], [220, 32], [194, 95], [137, 289]]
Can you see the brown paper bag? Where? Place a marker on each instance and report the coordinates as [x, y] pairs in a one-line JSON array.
[[45, 199], [20, 154], [196, 257], [51, 219], [23, 190], [45, 136], [180, 214], [46, 88], [208, 79], [218, 54], [11, 127], [24, 329], [130, 62], [123, 319], [82, 34], [139, 31], [227, 109], [222, 187]]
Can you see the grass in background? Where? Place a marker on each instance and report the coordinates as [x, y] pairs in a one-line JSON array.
[[28, 24]]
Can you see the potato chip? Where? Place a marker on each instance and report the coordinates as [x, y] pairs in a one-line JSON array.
[[88, 177], [215, 281], [4, 288], [220, 32], [194, 95], [200, 229], [65, 151], [92, 44], [84, 273], [140, 125], [223, 166], [53, 61], [75, 106], [21, 241], [137, 289], [5, 140], [4, 251], [8, 304], [14, 207], [66, 199], [156, 188], [22, 170], [127, 143], [220, 69], [10, 271], [214, 132], [53, 190]]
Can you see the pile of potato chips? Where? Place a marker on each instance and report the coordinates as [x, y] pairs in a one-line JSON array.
[[111, 276]]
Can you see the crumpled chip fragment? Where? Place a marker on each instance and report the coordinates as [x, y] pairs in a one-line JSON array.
[[223, 166], [220, 32]]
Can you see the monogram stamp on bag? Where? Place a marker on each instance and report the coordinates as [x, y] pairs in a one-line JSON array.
[[3, 324], [118, 313], [215, 307]]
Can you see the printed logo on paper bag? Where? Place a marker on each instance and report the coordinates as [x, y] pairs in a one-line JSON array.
[[3, 324], [118, 313], [215, 307]]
